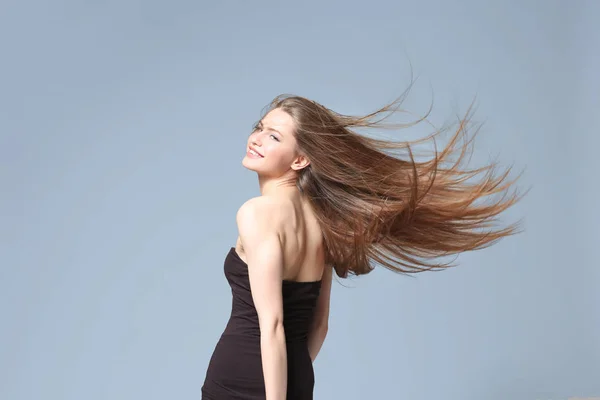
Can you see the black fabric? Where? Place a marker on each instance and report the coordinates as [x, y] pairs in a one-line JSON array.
[[235, 369]]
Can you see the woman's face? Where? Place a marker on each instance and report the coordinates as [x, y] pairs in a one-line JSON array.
[[273, 139]]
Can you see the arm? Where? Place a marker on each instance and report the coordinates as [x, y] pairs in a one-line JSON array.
[[262, 246], [318, 330]]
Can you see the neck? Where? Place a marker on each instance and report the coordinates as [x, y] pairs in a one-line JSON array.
[[283, 186]]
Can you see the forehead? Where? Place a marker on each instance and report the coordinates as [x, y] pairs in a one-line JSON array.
[[279, 120]]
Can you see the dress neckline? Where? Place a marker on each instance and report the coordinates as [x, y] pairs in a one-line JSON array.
[[286, 281]]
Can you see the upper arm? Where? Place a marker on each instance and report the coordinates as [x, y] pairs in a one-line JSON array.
[[321, 316], [258, 229]]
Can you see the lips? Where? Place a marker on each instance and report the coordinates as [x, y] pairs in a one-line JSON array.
[[256, 151]]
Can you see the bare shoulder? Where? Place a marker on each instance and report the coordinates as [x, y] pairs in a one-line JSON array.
[[260, 226], [264, 211], [261, 218]]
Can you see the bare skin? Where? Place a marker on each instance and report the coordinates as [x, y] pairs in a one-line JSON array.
[[280, 240], [300, 236]]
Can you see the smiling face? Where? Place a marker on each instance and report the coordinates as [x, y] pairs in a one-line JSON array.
[[273, 139]]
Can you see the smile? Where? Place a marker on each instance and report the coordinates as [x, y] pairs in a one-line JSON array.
[[254, 154]]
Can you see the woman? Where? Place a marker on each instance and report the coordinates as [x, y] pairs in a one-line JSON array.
[[334, 199]]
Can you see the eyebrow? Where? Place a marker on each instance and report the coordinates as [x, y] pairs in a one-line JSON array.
[[268, 128]]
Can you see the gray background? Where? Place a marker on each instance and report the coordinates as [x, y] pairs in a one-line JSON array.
[[123, 126]]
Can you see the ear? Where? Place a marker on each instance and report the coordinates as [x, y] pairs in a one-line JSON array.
[[300, 162]]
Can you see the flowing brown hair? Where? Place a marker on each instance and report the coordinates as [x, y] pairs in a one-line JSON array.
[[373, 205]]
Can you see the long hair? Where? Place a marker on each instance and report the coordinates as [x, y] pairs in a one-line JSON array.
[[375, 206]]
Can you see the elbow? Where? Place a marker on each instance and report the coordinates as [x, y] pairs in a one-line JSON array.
[[321, 328], [324, 328], [271, 327]]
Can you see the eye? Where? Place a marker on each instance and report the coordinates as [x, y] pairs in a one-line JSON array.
[[275, 137]]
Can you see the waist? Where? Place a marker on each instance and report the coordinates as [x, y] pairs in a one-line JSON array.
[[236, 327], [235, 369], [254, 336]]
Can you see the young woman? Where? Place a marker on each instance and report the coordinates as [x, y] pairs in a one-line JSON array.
[[332, 199]]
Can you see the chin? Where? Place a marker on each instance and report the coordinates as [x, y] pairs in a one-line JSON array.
[[247, 163]]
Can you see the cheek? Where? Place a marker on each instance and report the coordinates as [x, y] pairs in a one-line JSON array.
[[281, 154]]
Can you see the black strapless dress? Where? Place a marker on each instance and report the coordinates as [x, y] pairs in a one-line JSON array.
[[235, 368]]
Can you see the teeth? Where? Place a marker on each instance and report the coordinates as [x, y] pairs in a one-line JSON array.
[[255, 153]]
